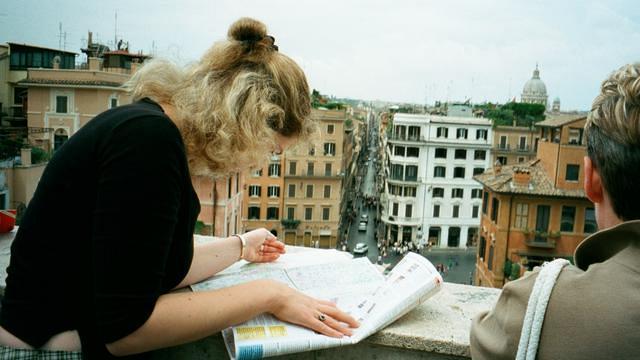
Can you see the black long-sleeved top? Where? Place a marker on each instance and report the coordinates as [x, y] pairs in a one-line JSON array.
[[109, 230]]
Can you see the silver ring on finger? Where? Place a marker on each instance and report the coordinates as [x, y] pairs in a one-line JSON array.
[[322, 317]]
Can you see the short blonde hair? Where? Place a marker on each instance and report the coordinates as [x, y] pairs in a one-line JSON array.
[[233, 101], [613, 139]]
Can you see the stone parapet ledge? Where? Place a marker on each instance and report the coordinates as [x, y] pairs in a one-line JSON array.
[[436, 329]]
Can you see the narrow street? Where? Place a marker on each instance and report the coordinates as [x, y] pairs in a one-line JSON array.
[[459, 263]]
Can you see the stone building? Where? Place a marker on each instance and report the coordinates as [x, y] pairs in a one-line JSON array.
[[313, 177], [535, 211], [263, 197], [430, 195], [514, 144]]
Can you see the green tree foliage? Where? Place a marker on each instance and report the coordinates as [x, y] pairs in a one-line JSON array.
[[515, 271], [507, 268], [198, 228], [522, 114], [38, 155], [10, 146], [321, 101]]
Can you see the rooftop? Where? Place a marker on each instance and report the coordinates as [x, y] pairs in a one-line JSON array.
[[539, 184], [558, 120]]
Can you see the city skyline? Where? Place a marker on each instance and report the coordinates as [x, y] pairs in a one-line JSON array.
[[400, 52]]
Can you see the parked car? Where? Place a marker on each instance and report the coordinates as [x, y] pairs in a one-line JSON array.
[[361, 248], [364, 218], [362, 226]]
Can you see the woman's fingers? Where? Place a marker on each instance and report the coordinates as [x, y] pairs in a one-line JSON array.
[[336, 325], [323, 327], [339, 315]]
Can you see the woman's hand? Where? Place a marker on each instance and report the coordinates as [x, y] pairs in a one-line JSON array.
[[319, 315], [262, 246]]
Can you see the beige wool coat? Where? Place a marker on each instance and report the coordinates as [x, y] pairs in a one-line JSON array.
[[593, 312]]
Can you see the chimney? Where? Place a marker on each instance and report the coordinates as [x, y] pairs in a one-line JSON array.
[[497, 167], [521, 176], [90, 39], [95, 64], [25, 156]]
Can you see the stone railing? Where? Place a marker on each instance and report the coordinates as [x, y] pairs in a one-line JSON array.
[[436, 329]]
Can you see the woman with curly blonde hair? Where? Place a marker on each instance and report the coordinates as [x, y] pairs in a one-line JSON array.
[[125, 180]]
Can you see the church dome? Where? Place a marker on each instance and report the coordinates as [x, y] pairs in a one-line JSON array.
[[535, 91]]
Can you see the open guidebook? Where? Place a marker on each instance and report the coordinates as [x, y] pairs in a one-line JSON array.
[[355, 285]]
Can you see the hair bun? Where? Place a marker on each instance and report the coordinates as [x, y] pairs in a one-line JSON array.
[[247, 29]]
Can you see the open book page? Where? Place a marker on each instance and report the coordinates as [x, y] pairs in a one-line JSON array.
[[413, 280]]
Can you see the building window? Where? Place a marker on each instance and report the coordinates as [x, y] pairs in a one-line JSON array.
[[461, 133], [330, 128], [113, 102], [456, 211], [395, 209], [256, 173], [292, 167], [479, 154], [397, 172], [482, 247], [441, 153], [273, 191], [490, 259], [274, 170], [590, 225], [62, 103], [522, 144], [325, 213], [460, 154], [522, 216], [408, 210], [475, 210], [503, 142], [272, 213], [395, 189], [457, 193], [414, 133], [481, 134], [254, 190], [485, 202], [411, 173], [520, 159], [291, 213], [575, 136], [330, 149], [436, 211], [401, 132], [476, 193], [410, 191], [398, 150], [292, 190], [308, 213], [568, 218], [458, 172], [495, 206], [439, 171], [477, 171], [502, 160], [413, 152], [254, 212], [327, 169], [442, 132], [310, 169], [327, 191], [309, 191], [573, 172], [542, 220], [438, 192]]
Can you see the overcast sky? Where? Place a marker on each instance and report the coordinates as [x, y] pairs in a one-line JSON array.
[[404, 51]]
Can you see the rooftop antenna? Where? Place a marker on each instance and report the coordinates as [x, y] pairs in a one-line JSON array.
[[115, 31]]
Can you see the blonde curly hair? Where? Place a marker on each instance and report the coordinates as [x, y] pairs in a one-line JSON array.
[[233, 102]]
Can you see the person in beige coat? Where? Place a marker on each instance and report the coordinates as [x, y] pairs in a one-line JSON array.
[[593, 311]]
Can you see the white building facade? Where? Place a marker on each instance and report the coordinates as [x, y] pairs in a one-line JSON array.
[[430, 195]]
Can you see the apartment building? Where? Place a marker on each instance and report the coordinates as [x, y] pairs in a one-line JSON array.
[[535, 211], [514, 144], [430, 195], [313, 178], [221, 205], [263, 197]]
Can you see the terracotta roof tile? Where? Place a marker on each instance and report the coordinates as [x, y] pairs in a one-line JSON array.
[[539, 184]]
